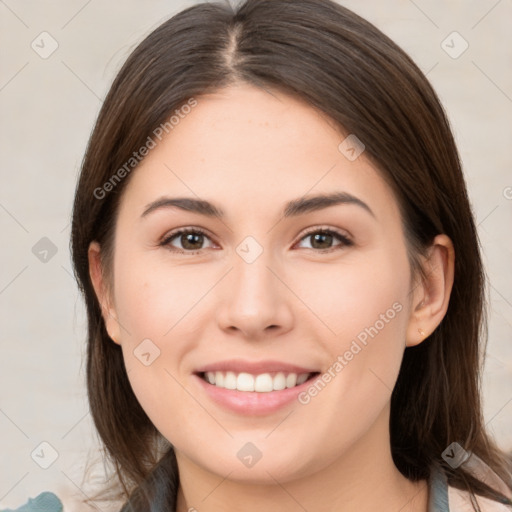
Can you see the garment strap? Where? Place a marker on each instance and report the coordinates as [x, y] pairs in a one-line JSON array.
[[438, 495]]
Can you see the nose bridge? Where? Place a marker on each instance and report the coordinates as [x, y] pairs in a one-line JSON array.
[[253, 298], [253, 281]]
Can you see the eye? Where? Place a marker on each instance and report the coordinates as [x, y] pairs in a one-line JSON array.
[[191, 240], [323, 238]]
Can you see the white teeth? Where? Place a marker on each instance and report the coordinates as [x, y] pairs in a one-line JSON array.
[[291, 380], [245, 382], [302, 378], [279, 382], [262, 383], [230, 380]]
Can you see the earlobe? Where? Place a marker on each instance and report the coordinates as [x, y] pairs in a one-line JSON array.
[[97, 278], [432, 296]]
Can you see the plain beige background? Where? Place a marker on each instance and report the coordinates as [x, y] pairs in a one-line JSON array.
[[49, 103]]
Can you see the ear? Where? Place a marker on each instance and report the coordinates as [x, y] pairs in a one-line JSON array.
[[102, 292], [432, 295]]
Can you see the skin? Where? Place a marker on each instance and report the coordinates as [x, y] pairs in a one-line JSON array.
[[249, 151]]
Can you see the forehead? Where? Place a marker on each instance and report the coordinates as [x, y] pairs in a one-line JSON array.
[[248, 147]]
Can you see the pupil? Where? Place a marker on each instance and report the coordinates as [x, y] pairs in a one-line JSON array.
[[190, 238], [322, 237]]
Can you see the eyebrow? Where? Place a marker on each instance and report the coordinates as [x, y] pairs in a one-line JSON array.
[[293, 208]]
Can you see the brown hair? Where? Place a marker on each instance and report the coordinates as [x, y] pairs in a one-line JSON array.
[[344, 66]]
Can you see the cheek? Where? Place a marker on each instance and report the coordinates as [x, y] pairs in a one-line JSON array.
[[354, 298], [365, 307], [155, 297], [157, 305], [370, 319]]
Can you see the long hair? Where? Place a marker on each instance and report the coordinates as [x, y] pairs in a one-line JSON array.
[[344, 66]]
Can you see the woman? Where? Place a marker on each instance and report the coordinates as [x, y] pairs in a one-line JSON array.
[[282, 275]]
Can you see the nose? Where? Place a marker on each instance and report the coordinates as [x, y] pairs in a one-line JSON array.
[[254, 301]]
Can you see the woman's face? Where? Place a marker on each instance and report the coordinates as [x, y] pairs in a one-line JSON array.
[[258, 297]]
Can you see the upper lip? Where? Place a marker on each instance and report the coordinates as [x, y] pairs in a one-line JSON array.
[[254, 367]]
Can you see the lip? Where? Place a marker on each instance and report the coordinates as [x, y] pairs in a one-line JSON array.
[[254, 367], [251, 403]]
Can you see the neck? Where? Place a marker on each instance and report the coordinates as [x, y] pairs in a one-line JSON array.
[[363, 479]]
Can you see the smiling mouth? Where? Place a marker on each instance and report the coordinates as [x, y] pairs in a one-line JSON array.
[[261, 383]]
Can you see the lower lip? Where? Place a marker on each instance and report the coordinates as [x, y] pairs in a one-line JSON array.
[[251, 402]]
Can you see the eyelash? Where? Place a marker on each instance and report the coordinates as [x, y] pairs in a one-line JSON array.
[[344, 239]]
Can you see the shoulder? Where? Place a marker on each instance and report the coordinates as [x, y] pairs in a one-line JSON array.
[[460, 501], [46, 502], [446, 498]]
